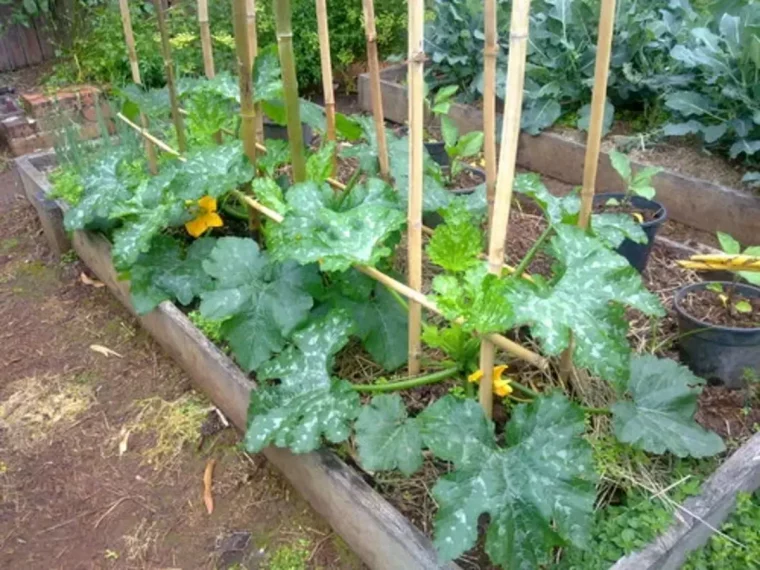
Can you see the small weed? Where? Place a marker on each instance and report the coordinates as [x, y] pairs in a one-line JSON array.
[[209, 327], [173, 424], [68, 257], [111, 554], [8, 245], [291, 556]]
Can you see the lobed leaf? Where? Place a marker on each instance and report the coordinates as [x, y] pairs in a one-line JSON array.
[[263, 302], [319, 228], [660, 417], [587, 298], [538, 492], [387, 438], [166, 272], [307, 403]]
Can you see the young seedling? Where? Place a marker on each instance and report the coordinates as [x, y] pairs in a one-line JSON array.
[[457, 148], [638, 184], [726, 298]]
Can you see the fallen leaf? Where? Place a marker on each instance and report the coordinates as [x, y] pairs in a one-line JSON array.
[[104, 350], [84, 278], [208, 477], [124, 442]]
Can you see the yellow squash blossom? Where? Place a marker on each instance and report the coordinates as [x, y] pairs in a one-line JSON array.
[[501, 386], [206, 218]]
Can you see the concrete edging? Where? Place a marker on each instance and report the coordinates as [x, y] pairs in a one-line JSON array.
[[697, 203], [381, 536]]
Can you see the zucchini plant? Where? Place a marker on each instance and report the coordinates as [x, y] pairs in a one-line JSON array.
[[287, 303]]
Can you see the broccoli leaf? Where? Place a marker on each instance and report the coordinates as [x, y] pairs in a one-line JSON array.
[[588, 299], [165, 272], [263, 302], [538, 491], [307, 403], [660, 418], [321, 228]]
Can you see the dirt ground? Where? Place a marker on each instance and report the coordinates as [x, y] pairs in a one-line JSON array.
[[102, 452]]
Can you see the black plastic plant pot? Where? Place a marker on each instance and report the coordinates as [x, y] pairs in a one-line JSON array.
[[280, 132], [637, 254], [433, 219], [719, 354], [437, 151]]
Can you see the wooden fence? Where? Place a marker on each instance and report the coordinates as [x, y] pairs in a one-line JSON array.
[[21, 46]]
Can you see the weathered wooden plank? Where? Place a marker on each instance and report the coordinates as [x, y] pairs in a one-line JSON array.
[[701, 514], [44, 38], [697, 203], [31, 45]]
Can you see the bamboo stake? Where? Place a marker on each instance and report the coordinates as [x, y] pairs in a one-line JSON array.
[[598, 99], [253, 44], [374, 84], [594, 140], [490, 52], [327, 77], [247, 110], [413, 295], [415, 81], [208, 52], [170, 83], [149, 137], [518, 44], [282, 15], [129, 38]]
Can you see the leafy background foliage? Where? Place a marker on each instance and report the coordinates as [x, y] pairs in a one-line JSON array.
[[675, 70], [96, 52]]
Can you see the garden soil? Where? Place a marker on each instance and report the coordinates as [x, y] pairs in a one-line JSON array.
[[103, 444]]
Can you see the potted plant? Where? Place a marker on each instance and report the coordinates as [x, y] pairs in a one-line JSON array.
[[719, 321], [638, 201], [439, 107]]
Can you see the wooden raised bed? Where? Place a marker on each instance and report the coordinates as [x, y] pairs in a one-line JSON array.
[[382, 537], [697, 203]]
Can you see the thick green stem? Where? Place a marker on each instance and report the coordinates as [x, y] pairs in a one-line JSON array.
[[282, 16], [534, 249], [408, 383]]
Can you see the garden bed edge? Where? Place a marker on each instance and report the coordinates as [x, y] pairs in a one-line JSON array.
[[382, 537]]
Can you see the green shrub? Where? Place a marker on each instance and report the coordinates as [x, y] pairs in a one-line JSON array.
[[98, 53]]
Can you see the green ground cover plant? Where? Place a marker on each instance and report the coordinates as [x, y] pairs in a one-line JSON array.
[[289, 299]]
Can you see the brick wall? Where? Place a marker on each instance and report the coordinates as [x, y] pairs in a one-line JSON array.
[[31, 122]]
